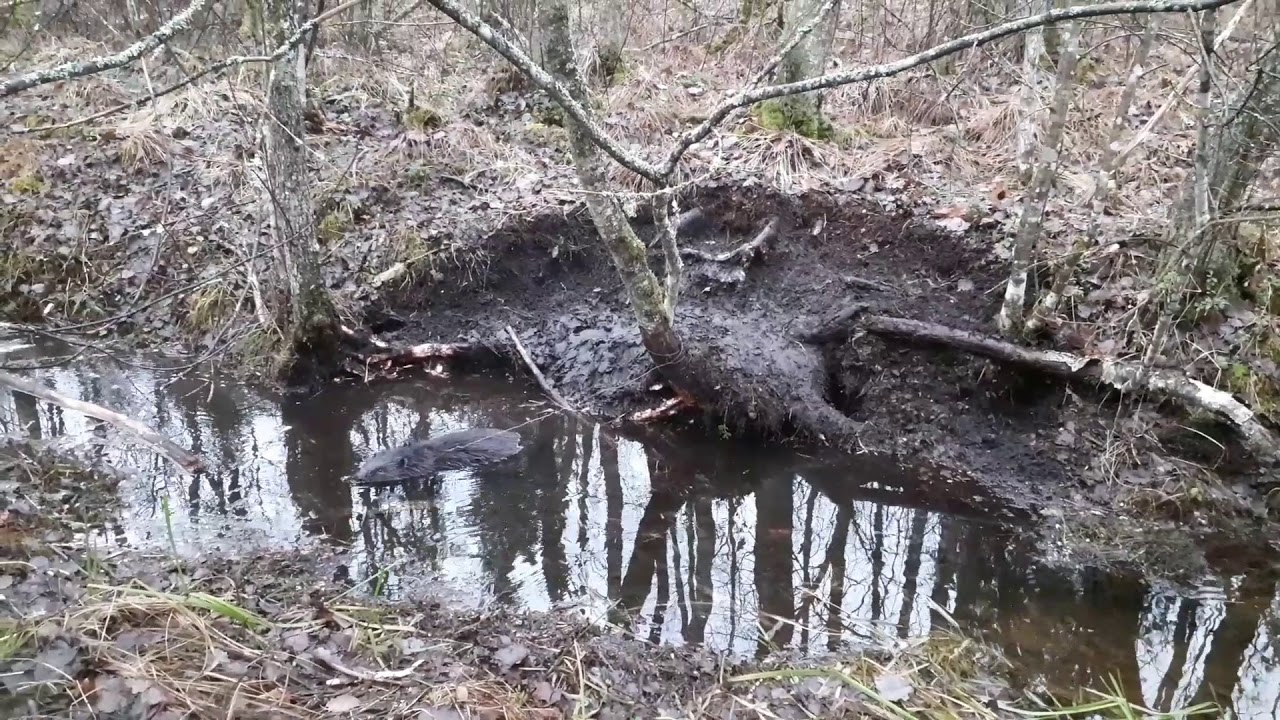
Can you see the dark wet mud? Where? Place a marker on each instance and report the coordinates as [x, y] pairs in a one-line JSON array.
[[720, 545], [1024, 437]]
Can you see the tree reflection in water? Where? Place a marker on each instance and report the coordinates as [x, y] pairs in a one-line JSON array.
[[685, 542]]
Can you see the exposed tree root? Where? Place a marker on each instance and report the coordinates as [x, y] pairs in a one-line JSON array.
[[728, 267], [1118, 374], [543, 383]]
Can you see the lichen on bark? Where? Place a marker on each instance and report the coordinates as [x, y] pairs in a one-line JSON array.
[[308, 316], [646, 293]]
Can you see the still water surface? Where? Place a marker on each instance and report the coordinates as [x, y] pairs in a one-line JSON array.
[[714, 543]]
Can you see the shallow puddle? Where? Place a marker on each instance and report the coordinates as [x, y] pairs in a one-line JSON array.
[[716, 543]]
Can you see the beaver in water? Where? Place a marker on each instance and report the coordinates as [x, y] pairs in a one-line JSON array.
[[419, 459]]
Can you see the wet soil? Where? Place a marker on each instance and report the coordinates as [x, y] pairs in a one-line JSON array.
[[1029, 440]]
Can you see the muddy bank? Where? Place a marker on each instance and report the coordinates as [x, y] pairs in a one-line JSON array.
[[1032, 439], [93, 631]]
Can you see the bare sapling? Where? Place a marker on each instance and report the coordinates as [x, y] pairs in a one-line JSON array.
[[1100, 193], [1031, 99], [1171, 278], [1031, 224]]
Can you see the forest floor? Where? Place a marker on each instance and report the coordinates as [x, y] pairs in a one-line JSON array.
[[102, 631], [460, 216]]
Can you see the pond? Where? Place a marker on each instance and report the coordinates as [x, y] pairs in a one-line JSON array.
[[714, 542]]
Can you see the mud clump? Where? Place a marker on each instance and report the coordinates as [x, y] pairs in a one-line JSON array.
[[549, 282]]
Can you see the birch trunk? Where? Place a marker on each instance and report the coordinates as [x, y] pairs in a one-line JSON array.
[[647, 295], [806, 59], [1103, 181], [307, 310], [1010, 319], [1032, 96], [1191, 226]]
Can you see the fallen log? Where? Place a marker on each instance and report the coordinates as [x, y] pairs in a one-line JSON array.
[[1127, 377], [161, 444]]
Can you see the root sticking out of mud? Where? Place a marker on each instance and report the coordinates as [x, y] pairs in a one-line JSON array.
[[1025, 435]]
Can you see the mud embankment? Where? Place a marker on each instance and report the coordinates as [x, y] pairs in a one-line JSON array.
[[549, 282]]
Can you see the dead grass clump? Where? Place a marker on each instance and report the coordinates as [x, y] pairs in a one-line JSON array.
[[143, 143], [190, 652], [943, 675], [210, 306]]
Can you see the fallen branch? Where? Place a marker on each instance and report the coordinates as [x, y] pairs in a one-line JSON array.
[[543, 383], [1121, 375], [379, 676], [163, 445]]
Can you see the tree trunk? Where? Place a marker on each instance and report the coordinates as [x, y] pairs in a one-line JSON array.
[[803, 113], [306, 312], [647, 295]]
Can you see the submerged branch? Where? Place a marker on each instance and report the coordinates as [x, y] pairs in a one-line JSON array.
[[161, 444]]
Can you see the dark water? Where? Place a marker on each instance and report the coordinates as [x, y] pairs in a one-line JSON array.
[[717, 543]]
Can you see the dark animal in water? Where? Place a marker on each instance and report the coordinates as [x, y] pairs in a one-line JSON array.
[[420, 459]]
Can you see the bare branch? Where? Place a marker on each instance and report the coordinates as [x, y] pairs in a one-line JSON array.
[[967, 42], [548, 84], [92, 66], [289, 44]]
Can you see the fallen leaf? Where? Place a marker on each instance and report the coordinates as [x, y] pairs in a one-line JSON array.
[[894, 688], [510, 656], [342, 703]]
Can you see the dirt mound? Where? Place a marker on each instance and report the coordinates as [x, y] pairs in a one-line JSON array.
[[548, 280]]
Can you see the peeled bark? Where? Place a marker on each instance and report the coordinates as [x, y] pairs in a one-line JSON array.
[[307, 312]]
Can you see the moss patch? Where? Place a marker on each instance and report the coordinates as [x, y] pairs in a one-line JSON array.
[[786, 114], [27, 185], [423, 119], [333, 226]]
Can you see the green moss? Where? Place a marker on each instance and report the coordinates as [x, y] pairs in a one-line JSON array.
[[423, 119], [418, 176], [1259, 391], [789, 114], [549, 114], [27, 185], [548, 135], [332, 227]]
